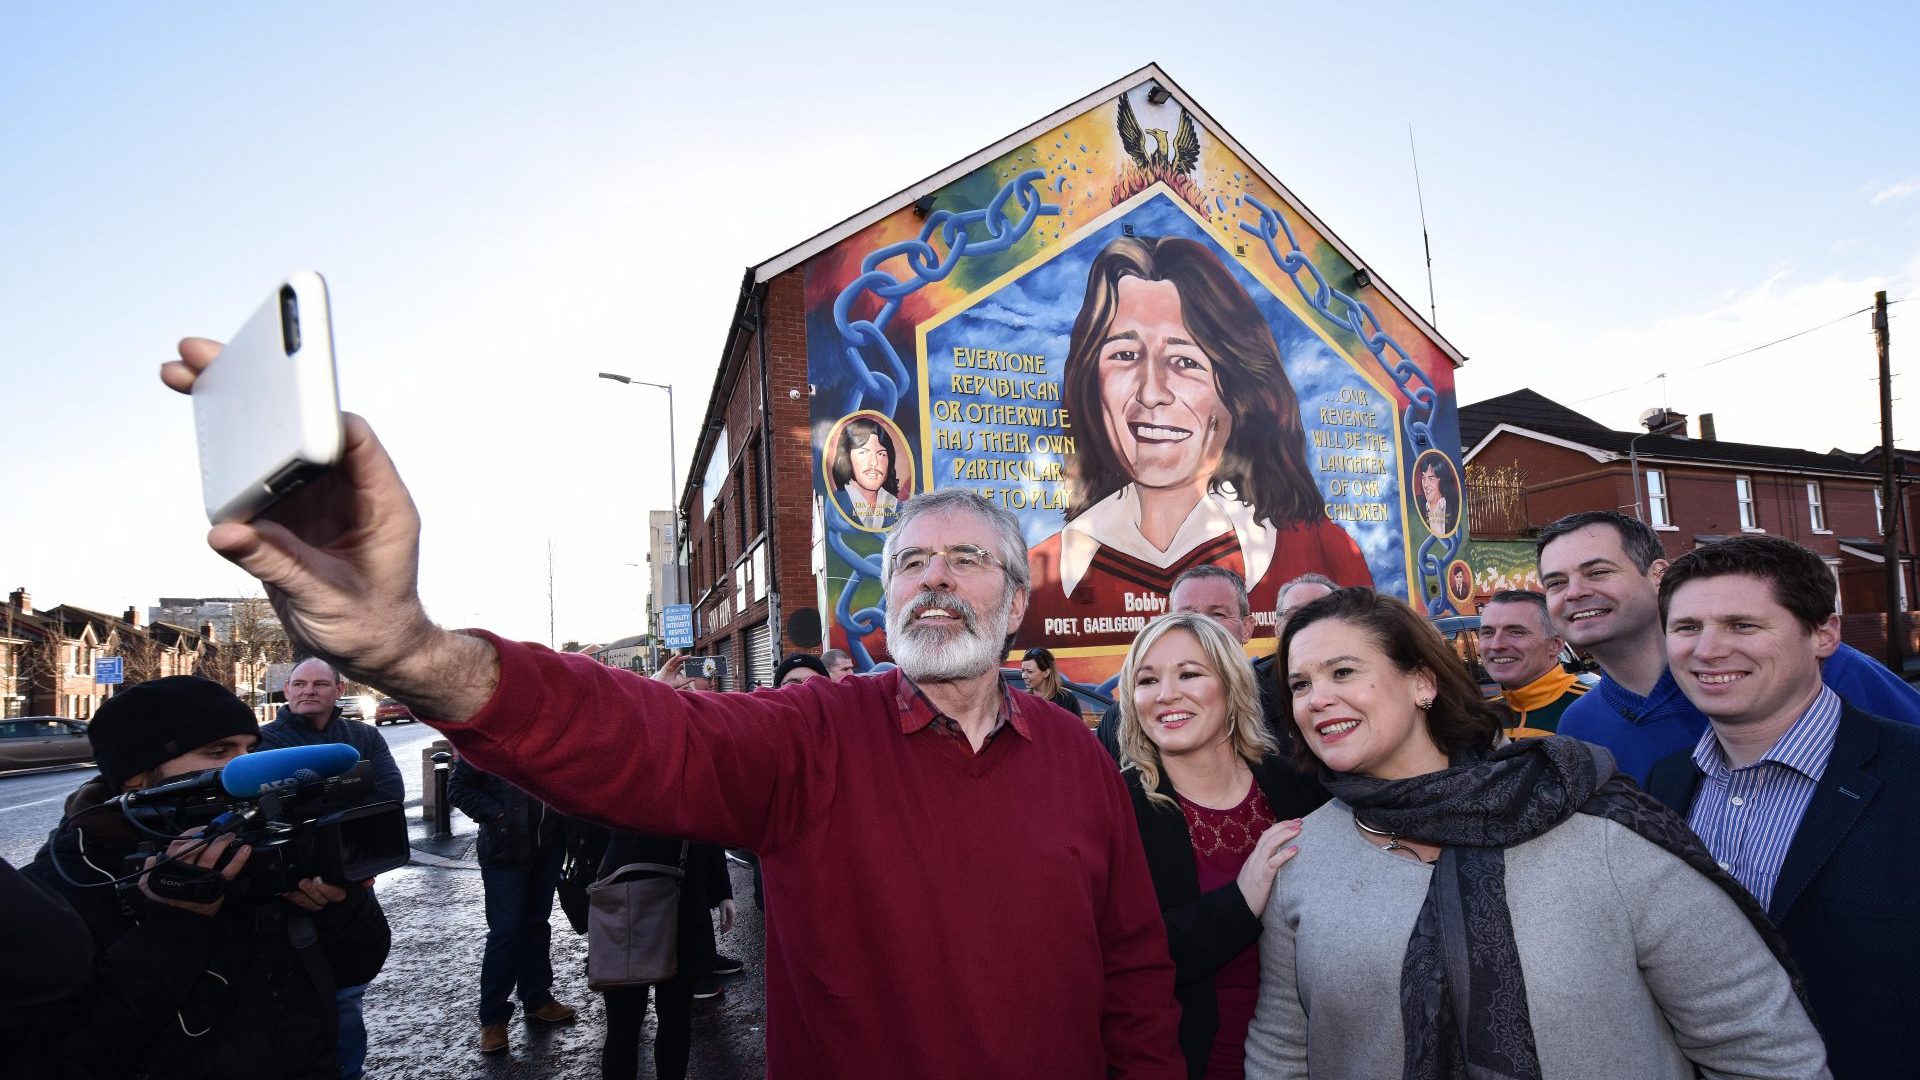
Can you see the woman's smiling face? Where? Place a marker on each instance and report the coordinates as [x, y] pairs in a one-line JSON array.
[[1159, 391]]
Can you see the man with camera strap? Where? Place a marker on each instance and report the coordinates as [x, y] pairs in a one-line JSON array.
[[189, 978]]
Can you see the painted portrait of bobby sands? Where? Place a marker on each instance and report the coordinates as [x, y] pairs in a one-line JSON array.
[[1190, 445]]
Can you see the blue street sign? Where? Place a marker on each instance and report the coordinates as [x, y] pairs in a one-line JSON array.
[[676, 625], [108, 669]]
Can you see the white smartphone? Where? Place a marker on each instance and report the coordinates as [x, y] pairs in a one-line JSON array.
[[267, 409]]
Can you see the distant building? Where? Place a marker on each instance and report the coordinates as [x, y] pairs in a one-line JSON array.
[[1693, 489], [632, 653], [221, 611]]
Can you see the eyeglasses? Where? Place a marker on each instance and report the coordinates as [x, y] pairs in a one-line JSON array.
[[963, 559]]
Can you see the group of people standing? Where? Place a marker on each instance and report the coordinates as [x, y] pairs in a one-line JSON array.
[[961, 884]]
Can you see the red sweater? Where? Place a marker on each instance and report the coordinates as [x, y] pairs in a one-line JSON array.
[[932, 912]]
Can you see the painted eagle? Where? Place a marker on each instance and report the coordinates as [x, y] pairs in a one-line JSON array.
[[1179, 157]]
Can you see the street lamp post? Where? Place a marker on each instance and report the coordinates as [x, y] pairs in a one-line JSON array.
[[673, 468]]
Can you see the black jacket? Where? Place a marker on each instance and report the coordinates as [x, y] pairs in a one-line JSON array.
[[513, 824], [49, 959], [705, 885], [291, 729], [1848, 896], [176, 994], [1204, 931]]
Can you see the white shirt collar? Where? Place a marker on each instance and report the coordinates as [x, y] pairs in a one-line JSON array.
[[1115, 522]]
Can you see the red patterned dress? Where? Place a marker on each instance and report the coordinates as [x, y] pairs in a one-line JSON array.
[[1222, 840]]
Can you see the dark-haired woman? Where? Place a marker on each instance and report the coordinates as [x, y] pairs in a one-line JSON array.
[[1216, 812], [1520, 911], [1189, 445], [1042, 677]]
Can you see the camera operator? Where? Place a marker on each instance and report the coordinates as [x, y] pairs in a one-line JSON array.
[[232, 987]]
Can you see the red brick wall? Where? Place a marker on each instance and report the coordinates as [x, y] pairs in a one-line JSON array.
[[788, 486]]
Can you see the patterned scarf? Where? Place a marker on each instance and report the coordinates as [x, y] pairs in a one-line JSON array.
[[1463, 996]]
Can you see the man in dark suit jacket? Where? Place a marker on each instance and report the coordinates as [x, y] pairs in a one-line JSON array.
[[1811, 804]]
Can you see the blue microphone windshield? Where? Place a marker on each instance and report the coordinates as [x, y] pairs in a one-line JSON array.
[[250, 774]]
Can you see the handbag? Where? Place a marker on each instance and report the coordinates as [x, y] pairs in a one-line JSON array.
[[633, 925]]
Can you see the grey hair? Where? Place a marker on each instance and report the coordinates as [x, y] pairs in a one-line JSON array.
[[1280, 597], [833, 656], [1012, 543], [1209, 570]]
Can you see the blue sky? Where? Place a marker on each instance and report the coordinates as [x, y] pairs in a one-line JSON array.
[[507, 201]]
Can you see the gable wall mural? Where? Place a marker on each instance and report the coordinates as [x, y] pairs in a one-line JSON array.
[[1119, 332]]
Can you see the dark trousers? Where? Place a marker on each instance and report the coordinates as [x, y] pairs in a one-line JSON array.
[[519, 937], [626, 1018]]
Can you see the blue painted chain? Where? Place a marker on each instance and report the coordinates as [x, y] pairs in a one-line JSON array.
[[879, 377], [1355, 317]]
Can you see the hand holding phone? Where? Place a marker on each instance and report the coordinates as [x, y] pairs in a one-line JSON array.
[[267, 409]]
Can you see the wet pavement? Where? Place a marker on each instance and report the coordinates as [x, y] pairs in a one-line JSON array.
[[421, 1011], [421, 1019]]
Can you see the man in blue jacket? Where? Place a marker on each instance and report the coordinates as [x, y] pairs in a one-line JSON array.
[[312, 715], [1809, 802], [1601, 571]]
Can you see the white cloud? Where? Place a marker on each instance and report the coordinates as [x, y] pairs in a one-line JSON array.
[[1815, 391], [1896, 191]]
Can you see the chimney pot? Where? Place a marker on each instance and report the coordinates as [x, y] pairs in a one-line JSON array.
[[1706, 427]]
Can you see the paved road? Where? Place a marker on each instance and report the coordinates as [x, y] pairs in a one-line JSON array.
[[421, 1010]]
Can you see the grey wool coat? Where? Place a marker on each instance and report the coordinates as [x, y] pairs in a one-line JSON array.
[[1636, 965]]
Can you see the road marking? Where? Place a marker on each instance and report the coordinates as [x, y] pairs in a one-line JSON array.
[[36, 802]]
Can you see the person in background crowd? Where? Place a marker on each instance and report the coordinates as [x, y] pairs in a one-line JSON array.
[[798, 668], [1522, 654], [704, 887], [522, 845], [236, 988], [49, 959], [1216, 810], [312, 715], [839, 664], [1043, 680], [1810, 803], [1601, 570], [933, 756], [1445, 916], [1304, 589]]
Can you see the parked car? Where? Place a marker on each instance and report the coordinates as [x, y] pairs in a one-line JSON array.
[[36, 742], [359, 707], [390, 711]]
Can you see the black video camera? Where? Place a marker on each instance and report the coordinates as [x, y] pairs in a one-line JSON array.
[[335, 828]]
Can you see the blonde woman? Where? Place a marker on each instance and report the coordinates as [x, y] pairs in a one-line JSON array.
[[1520, 911], [1217, 811]]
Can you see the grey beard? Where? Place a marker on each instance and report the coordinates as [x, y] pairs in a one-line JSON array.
[[926, 655]]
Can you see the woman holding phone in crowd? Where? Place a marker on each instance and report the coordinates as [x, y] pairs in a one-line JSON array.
[[1521, 911], [1216, 811]]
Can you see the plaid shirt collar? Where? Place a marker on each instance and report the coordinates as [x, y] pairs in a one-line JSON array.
[[917, 713]]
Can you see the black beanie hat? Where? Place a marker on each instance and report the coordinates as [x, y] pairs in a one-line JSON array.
[[799, 660], [154, 722]]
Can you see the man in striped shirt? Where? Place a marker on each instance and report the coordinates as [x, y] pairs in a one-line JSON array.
[[1806, 801]]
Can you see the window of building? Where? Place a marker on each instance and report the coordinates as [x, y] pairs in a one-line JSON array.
[[1749, 512], [1879, 512], [1657, 515], [1833, 567], [1816, 513]]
